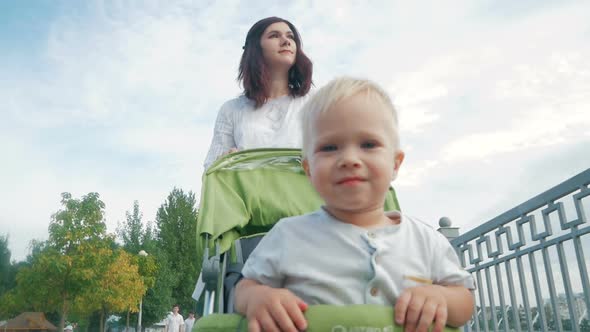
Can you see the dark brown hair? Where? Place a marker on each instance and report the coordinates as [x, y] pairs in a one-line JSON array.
[[253, 71]]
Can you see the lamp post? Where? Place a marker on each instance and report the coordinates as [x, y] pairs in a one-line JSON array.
[[141, 253]]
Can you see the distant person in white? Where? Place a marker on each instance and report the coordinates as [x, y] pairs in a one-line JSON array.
[[174, 322], [189, 322], [276, 76]]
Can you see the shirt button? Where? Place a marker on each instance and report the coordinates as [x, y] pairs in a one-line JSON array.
[[374, 291]]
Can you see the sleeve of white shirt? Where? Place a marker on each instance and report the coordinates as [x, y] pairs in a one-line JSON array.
[[448, 270], [264, 263], [223, 134]]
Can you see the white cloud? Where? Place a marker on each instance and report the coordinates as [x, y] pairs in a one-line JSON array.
[[550, 108], [128, 94], [413, 176]]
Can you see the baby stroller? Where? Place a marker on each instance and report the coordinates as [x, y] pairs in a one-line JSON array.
[[243, 195]]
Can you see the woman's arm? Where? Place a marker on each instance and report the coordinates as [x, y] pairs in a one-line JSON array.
[[223, 136]]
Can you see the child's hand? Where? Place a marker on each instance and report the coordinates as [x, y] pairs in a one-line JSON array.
[[275, 309], [418, 307]]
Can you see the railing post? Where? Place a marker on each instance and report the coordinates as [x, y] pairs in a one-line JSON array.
[[446, 229]]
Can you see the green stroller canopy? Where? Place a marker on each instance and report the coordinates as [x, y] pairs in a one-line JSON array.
[[247, 192]]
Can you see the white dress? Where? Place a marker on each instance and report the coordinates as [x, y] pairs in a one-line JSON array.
[[275, 124]]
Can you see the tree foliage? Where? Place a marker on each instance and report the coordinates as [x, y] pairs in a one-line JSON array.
[[81, 221], [176, 220], [65, 266], [11, 303], [80, 273], [158, 298], [119, 287], [4, 265], [152, 268], [131, 231]]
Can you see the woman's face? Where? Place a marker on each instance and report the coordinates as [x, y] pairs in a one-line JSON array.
[[278, 46]]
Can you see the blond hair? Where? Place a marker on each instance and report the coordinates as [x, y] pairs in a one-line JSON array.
[[334, 92]]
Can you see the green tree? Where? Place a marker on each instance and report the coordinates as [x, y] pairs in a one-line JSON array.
[[5, 265], [149, 239], [176, 220], [155, 276], [119, 288], [158, 298], [153, 268], [81, 221], [66, 265], [11, 303], [131, 231]]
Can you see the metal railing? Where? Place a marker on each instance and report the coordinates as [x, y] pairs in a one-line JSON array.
[[529, 263]]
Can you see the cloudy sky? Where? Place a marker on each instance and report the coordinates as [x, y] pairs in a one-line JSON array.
[[120, 97]]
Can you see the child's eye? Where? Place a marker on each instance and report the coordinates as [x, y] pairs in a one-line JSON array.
[[368, 145], [328, 148], [291, 37]]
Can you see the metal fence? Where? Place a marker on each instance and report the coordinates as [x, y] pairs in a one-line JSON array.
[[529, 263]]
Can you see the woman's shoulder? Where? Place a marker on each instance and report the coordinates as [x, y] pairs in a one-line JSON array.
[[238, 103], [309, 94], [301, 100]]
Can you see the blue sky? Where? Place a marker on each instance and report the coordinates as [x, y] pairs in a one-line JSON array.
[[120, 97]]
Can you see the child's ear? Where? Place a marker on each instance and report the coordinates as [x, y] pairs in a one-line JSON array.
[[305, 165], [398, 159]]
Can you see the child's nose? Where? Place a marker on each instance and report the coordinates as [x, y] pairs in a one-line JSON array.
[[349, 158]]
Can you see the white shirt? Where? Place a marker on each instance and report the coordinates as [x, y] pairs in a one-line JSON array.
[[326, 261], [174, 322], [276, 124], [188, 324]]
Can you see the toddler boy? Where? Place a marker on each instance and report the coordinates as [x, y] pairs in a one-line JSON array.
[[351, 251]]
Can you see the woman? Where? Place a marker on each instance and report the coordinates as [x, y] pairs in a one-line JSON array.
[[276, 77]]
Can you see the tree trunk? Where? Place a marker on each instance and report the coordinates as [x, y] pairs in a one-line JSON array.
[[127, 328], [64, 312], [102, 323]]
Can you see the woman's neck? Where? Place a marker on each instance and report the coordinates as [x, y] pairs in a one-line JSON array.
[[279, 85]]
